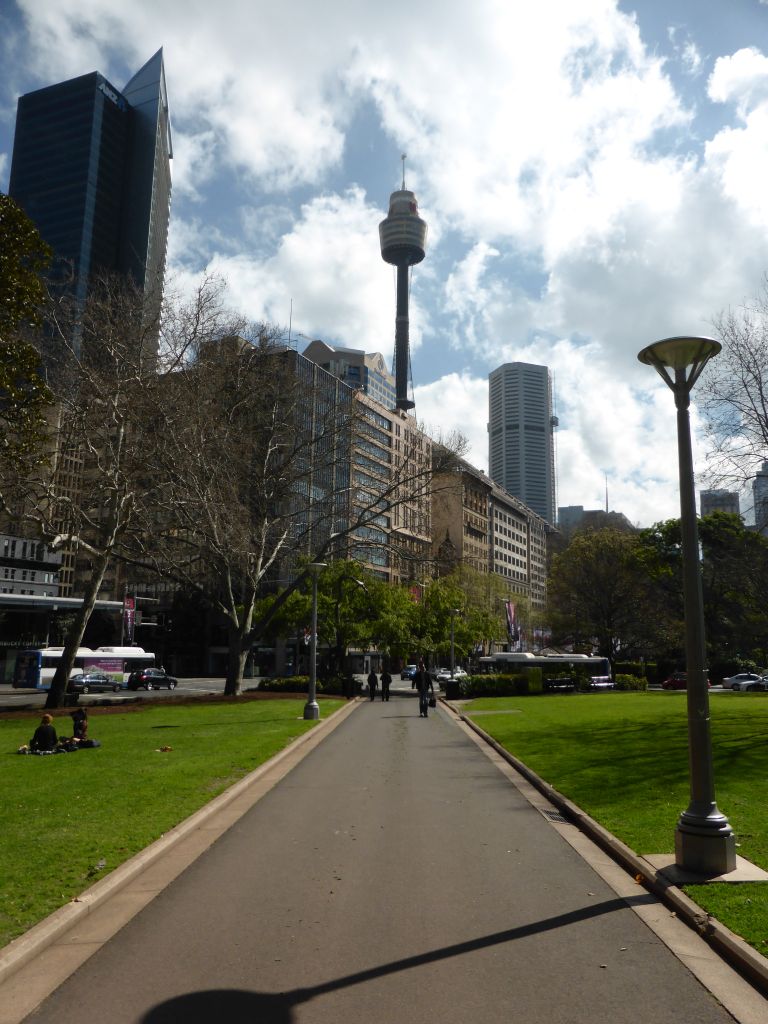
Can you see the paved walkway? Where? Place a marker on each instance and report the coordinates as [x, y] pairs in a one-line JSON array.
[[396, 875]]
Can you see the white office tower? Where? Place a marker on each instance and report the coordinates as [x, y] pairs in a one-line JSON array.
[[521, 450], [760, 495]]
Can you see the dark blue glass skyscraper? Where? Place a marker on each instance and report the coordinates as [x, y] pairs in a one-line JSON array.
[[91, 168]]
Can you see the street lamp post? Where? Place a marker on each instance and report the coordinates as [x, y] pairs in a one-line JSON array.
[[704, 840], [454, 613], [312, 708]]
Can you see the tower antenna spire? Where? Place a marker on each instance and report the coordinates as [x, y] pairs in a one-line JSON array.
[[403, 157]]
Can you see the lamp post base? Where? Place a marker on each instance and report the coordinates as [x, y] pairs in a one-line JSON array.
[[311, 711], [704, 851]]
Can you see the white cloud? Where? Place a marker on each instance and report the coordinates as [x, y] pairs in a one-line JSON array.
[[741, 78], [498, 164], [739, 155], [457, 402], [194, 163], [575, 213], [326, 265], [264, 79], [607, 427], [686, 50]]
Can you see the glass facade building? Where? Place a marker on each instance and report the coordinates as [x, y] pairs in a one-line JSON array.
[[91, 168]]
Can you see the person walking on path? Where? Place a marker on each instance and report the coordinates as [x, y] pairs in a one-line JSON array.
[[386, 681], [425, 687], [372, 681]]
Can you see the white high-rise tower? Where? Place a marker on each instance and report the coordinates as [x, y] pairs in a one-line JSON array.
[[521, 452]]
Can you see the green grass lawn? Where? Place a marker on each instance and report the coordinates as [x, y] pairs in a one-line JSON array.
[[623, 758], [66, 820]]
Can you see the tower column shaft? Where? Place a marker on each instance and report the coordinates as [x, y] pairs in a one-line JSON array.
[[401, 338]]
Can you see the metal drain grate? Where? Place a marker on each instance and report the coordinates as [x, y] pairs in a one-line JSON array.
[[553, 815]]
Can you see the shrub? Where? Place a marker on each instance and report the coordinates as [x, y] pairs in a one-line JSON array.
[[625, 681], [630, 668], [339, 685], [535, 680], [514, 685], [286, 684]]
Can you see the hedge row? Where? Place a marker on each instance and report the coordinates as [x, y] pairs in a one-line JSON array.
[[300, 684], [514, 685]]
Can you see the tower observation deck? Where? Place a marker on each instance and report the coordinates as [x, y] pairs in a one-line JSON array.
[[403, 236]]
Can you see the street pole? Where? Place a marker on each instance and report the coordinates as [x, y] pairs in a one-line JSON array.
[[454, 613], [704, 841], [312, 708]]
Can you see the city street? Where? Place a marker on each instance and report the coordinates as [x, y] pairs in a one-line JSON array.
[[14, 700], [396, 874]]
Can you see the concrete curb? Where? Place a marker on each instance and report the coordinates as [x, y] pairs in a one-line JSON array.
[[738, 953], [27, 946]]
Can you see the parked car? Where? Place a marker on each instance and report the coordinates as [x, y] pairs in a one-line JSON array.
[[443, 674], [151, 679], [677, 681], [730, 682], [92, 682], [409, 672], [753, 683]]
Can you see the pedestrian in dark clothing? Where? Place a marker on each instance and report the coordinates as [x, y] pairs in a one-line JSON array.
[[425, 687], [386, 680], [79, 724], [372, 681], [45, 737]]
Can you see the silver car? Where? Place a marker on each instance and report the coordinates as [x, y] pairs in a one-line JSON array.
[[753, 683], [738, 681]]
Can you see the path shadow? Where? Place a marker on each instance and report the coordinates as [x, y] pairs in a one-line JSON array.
[[236, 1006]]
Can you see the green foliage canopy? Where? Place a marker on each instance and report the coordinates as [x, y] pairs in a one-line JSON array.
[[23, 393]]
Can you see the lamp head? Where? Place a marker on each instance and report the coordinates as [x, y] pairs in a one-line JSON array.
[[677, 354]]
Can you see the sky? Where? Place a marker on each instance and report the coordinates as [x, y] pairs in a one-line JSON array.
[[593, 174]]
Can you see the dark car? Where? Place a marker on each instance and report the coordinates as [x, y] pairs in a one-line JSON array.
[[92, 682], [151, 679]]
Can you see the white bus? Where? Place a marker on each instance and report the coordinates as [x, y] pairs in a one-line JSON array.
[[552, 665], [35, 667]]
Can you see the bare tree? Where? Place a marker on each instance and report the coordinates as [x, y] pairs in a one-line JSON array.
[[97, 496], [260, 450], [733, 393]]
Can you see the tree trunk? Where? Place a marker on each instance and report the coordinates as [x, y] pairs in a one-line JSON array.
[[238, 653], [74, 637]]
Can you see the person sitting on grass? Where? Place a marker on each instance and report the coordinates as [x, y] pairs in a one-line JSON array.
[[79, 738], [45, 739], [79, 724]]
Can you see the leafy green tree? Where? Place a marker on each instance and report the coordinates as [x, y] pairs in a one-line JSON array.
[[24, 395], [734, 582], [24, 258], [601, 593]]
